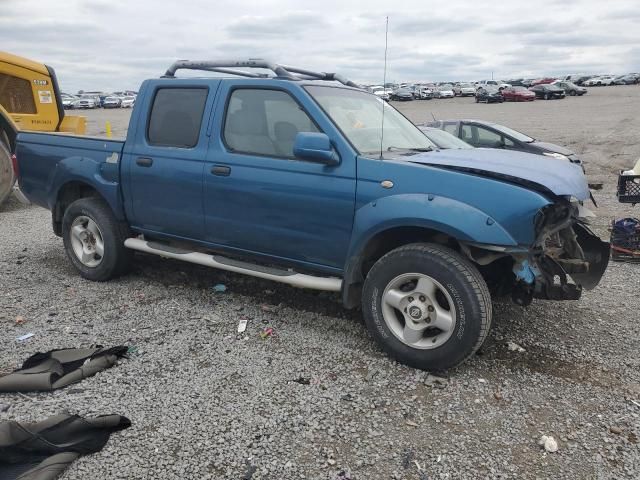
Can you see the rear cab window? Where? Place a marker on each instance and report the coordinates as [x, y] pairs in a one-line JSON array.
[[176, 116]]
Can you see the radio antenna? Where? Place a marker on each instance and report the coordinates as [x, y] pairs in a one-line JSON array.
[[384, 82]]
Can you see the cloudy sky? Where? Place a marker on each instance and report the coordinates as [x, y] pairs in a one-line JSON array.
[[115, 44]]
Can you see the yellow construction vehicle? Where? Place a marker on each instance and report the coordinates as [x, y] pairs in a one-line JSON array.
[[29, 100]]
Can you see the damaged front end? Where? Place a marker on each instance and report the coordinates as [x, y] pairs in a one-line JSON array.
[[565, 257]]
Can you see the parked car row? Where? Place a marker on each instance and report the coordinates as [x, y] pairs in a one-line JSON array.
[[420, 91], [581, 80], [91, 101]]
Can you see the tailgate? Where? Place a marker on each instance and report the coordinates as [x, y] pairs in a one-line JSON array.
[[46, 161]]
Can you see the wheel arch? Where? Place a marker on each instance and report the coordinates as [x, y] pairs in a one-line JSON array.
[[68, 193], [379, 245]]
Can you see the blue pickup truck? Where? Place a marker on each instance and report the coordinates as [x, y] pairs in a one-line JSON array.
[[303, 178]]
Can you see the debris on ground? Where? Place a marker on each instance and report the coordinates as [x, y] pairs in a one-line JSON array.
[[411, 423], [596, 185], [25, 337], [266, 333], [303, 380], [497, 395], [20, 320], [242, 325], [342, 475], [220, 288], [549, 443], [514, 347], [615, 430], [268, 308], [250, 470], [3, 407], [434, 381]]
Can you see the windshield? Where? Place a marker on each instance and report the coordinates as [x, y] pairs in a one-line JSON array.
[[521, 137], [444, 139], [358, 115], [465, 85]]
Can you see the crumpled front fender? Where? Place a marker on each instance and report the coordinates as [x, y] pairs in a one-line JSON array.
[[446, 215]]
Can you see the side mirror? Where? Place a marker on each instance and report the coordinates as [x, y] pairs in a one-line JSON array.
[[315, 147]]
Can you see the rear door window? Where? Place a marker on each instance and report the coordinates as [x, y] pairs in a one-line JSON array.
[[488, 138], [176, 117]]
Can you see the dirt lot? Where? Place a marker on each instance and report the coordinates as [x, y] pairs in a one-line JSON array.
[[318, 398]]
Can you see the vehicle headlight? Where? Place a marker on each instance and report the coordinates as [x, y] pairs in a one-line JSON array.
[[559, 156]]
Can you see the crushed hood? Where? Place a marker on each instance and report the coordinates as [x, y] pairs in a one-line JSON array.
[[559, 177]]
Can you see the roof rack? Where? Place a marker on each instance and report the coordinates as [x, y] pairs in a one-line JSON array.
[[280, 71]]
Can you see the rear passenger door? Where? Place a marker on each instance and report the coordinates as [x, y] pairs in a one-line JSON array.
[[164, 165], [260, 198]]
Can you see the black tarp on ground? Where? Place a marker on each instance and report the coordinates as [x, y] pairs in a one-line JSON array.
[[59, 368], [43, 450]]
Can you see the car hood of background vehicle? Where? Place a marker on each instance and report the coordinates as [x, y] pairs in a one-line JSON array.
[[560, 177], [552, 147]]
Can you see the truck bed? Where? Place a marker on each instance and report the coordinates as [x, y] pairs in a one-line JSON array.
[[47, 161]]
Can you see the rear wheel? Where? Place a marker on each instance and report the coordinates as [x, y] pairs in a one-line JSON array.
[[427, 306], [94, 240], [547, 96], [7, 175]]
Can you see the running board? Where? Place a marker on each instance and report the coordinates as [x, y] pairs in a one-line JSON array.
[[330, 284]]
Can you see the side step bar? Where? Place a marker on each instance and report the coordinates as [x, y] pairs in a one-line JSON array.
[[330, 284]]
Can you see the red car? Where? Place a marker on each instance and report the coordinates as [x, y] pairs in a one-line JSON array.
[[518, 94], [541, 81]]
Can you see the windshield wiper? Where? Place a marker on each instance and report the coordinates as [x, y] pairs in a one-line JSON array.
[[414, 149]]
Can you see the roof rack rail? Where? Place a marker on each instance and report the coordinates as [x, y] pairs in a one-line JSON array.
[[280, 71]]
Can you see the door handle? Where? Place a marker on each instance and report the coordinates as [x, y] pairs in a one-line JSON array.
[[221, 170], [144, 161]]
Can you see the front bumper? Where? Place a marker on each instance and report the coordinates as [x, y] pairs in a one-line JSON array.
[[566, 258]]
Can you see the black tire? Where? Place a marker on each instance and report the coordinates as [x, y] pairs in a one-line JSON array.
[[473, 309], [7, 175], [116, 259], [572, 93], [547, 96]]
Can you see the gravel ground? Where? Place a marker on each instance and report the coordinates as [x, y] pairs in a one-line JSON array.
[[318, 398]]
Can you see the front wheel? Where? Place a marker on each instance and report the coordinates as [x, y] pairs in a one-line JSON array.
[[94, 240], [427, 306]]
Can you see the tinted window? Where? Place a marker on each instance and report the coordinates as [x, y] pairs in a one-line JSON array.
[[264, 122], [487, 138], [16, 95], [176, 117]]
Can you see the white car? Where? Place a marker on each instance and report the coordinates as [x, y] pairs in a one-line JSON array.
[[380, 92], [600, 81], [68, 101], [464, 89], [86, 102], [444, 91], [128, 102], [492, 83]]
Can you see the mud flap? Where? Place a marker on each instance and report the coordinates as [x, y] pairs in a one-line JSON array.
[[596, 252]]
